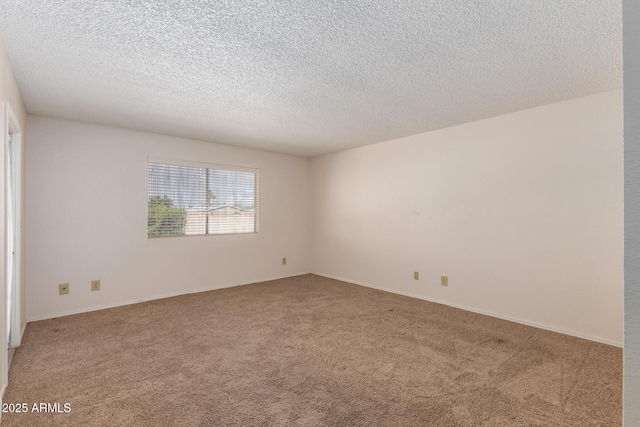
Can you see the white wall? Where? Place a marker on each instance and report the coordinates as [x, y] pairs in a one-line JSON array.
[[632, 212], [9, 92], [87, 216], [523, 212]]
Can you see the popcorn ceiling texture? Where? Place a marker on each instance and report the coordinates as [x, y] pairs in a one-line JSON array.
[[305, 77]]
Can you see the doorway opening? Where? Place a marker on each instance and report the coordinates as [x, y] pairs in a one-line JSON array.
[[12, 234]]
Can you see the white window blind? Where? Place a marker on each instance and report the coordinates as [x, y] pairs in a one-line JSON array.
[[191, 199]]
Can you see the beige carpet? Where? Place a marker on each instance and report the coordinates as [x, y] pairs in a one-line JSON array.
[[308, 351]]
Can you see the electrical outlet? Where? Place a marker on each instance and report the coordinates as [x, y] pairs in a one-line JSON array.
[[444, 280], [284, 261], [95, 285], [63, 288], [416, 275]]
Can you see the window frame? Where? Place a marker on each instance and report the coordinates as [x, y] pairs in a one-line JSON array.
[[210, 166]]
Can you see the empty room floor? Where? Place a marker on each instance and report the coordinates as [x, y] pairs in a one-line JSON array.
[[308, 351]]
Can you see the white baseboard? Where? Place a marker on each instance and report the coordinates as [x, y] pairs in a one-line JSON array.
[[155, 297], [474, 310], [355, 282]]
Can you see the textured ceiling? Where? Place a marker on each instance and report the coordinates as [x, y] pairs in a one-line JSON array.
[[306, 77]]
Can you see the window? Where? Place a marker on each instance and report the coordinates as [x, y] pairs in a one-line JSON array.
[[193, 199]]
